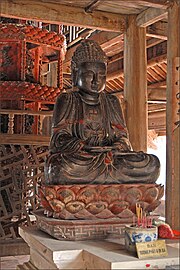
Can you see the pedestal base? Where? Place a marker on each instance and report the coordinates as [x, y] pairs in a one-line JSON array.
[[92, 202], [48, 253], [81, 229]]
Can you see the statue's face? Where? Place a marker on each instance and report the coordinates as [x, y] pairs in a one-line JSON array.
[[91, 77]]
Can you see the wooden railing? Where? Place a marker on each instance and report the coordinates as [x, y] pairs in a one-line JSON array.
[[75, 34], [11, 118], [17, 128]]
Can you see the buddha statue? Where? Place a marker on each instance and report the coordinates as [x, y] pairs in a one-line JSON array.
[[89, 142]]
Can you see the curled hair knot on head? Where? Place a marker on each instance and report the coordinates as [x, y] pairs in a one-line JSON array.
[[87, 51]]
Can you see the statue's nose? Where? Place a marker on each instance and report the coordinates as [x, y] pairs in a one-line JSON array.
[[96, 77]]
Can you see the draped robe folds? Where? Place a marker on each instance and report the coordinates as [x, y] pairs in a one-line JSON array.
[[76, 157]]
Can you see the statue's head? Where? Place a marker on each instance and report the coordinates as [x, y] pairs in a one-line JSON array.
[[88, 65]]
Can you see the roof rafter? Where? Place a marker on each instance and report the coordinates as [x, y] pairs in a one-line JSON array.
[[155, 3], [92, 5], [158, 30], [116, 71]]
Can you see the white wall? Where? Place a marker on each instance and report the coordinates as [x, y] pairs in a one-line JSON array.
[[160, 152]]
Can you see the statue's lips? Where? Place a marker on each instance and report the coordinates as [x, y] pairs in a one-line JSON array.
[[95, 87]]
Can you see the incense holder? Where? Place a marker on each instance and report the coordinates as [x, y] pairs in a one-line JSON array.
[[135, 235]]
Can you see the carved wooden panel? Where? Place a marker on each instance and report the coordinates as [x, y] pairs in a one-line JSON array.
[[11, 61], [22, 168]]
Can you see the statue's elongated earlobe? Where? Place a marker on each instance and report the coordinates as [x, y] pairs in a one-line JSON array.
[[74, 76]]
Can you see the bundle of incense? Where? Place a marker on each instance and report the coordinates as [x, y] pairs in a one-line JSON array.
[[142, 220], [149, 222], [139, 214]]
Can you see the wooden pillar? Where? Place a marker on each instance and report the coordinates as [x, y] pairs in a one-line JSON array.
[[135, 87], [23, 61], [173, 87], [37, 64], [11, 124], [60, 71], [35, 127]]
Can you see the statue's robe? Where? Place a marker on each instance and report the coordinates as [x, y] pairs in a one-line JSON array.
[[90, 145]]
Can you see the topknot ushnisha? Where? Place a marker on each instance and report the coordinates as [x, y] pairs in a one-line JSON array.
[[88, 51]]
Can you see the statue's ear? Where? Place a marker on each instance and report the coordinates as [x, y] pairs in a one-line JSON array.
[[74, 76]]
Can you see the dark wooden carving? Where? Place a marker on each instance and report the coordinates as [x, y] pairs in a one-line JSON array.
[[22, 168], [33, 91], [10, 61], [32, 34]]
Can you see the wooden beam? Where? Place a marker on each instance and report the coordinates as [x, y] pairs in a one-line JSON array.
[[108, 44], [152, 33], [158, 114], [56, 13], [157, 60], [116, 57], [150, 16], [143, 3], [156, 98], [157, 94], [158, 30], [152, 42], [157, 122], [26, 112], [155, 107], [115, 69], [154, 3], [24, 139], [158, 84]]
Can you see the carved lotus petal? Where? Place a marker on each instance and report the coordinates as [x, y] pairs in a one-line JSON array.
[[50, 193], [87, 195], [84, 214], [44, 201], [161, 192], [96, 207], [57, 205], [151, 194], [126, 214], [105, 214], [75, 207], [65, 195], [151, 207], [133, 194], [118, 206], [110, 194], [64, 214]]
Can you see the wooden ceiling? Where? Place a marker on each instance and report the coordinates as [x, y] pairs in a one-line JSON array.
[[106, 21], [96, 14], [115, 6]]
